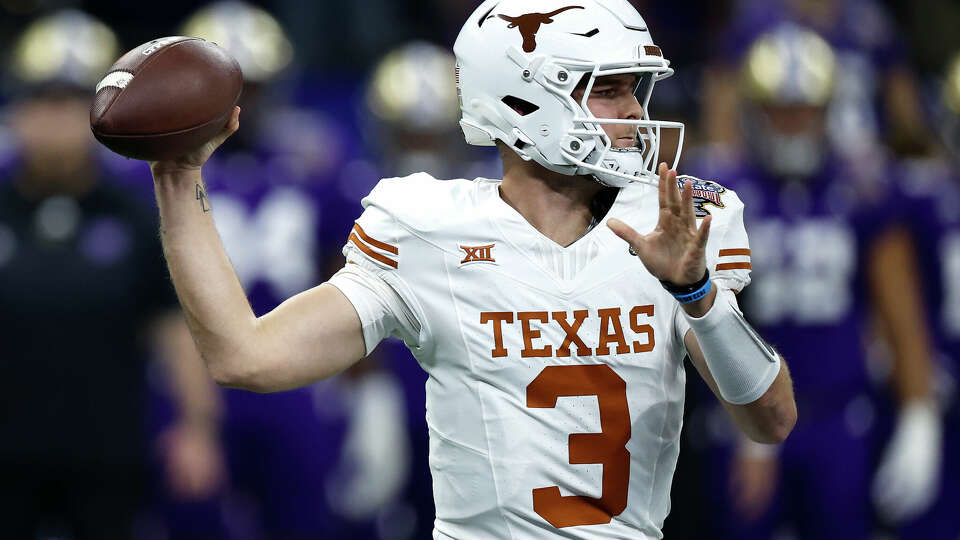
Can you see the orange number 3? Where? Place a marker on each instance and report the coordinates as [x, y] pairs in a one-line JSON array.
[[607, 447]]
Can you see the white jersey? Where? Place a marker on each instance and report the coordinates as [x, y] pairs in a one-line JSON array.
[[556, 384]]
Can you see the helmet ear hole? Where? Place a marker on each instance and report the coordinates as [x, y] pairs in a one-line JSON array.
[[520, 106]]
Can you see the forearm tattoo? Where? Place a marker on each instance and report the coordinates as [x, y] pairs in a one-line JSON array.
[[202, 197]]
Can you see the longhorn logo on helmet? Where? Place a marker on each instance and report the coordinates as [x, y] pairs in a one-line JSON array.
[[529, 25]]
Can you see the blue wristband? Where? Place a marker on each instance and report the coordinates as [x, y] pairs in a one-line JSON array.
[[691, 297]]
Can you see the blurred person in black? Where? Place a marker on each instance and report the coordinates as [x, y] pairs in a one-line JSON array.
[[84, 297]]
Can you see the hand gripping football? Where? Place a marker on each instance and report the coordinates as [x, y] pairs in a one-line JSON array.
[[165, 98]]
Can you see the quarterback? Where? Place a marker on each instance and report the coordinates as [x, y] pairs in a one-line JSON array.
[[552, 308]]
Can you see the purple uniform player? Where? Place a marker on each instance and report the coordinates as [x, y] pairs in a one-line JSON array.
[[930, 195], [295, 456], [819, 225], [807, 244], [303, 458]]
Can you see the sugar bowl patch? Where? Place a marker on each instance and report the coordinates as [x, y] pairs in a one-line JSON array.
[[705, 193]]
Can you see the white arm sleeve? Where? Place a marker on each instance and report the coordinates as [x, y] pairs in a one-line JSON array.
[[382, 311], [741, 362]]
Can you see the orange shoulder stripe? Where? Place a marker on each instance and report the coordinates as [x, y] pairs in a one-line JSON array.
[[734, 266], [734, 252], [374, 242], [371, 253]]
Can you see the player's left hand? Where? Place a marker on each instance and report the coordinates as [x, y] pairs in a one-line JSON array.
[[906, 482], [676, 250]]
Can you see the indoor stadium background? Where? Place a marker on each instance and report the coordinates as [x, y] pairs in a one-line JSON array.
[[341, 94]]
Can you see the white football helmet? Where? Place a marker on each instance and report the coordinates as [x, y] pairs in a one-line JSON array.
[[519, 61], [789, 67], [249, 33], [66, 48]]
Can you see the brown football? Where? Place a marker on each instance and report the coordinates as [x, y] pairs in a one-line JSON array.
[[165, 98]]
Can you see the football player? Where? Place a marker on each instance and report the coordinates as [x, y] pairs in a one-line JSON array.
[[552, 309], [931, 210], [824, 260]]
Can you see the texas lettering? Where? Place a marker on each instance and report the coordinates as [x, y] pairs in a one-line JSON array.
[[610, 339]]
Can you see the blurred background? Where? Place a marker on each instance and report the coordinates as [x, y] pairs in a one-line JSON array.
[[836, 121]]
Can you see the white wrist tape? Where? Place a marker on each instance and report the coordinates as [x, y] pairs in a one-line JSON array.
[[741, 362]]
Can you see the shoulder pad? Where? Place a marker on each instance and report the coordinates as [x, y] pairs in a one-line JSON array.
[[420, 202], [728, 248]]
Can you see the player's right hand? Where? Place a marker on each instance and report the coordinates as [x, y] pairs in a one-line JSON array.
[[676, 249], [195, 160]]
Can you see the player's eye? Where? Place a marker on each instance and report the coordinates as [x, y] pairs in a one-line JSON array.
[[605, 92]]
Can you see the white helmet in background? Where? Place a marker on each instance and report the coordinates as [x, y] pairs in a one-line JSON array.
[[790, 68], [250, 34], [67, 48], [412, 110], [411, 88], [519, 61]]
